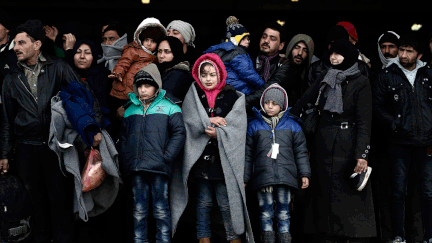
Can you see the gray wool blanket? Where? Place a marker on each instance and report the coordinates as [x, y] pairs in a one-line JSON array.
[[232, 143], [61, 140]]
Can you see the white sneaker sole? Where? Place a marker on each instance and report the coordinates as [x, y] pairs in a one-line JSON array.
[[368, 172]]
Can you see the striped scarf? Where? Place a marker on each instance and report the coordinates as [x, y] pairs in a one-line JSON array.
[[264, 62]]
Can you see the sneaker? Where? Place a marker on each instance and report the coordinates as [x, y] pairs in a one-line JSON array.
[[360, 181], [397, 239]]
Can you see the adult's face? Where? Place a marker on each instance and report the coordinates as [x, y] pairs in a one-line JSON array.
[[336, 59], [299, 53], [26, 50], [176, 34], [164, 53], [270, 42], [83, 58], [109, 37], [3, 34], [408, 57], [389, 50]]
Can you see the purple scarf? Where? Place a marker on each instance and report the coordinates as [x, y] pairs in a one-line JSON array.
[[264, 61]]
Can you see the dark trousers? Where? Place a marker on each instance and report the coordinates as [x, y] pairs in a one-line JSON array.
[[50, 191], [401, 158]]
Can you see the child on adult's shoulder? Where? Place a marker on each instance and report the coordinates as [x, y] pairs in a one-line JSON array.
[[151, 137], [276, 153], [135, 55]]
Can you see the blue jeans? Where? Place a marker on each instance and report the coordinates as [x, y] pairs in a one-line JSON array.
[[145, 184], [205, 189], [401, 157], [279, 199]]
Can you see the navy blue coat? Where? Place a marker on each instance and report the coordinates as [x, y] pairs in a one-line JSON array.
[[292, 161], [241, 73]]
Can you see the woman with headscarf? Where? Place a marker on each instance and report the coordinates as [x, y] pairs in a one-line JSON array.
[[173, 67], [335, 209]]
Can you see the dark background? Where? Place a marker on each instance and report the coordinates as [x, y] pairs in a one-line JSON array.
[[312, 17]]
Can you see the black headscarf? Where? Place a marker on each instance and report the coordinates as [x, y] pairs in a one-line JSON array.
[[177, 51], [94, 50], [347, 50]]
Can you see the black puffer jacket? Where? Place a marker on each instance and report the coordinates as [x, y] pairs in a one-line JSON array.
[[25, 119], [292, 161], [317, 68], [404, 109]]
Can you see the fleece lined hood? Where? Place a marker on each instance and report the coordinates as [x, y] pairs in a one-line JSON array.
[[158, 33]]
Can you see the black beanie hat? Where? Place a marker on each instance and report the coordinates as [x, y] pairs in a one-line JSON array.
[[337, 32], [389, 37], [33, 28], [347, 50], [5, 19]]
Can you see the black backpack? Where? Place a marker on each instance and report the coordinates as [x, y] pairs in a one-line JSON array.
[[15, 210]]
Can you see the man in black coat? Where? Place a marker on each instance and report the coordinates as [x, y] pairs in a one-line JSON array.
[[26, 96], [269, 64], [402, 98]]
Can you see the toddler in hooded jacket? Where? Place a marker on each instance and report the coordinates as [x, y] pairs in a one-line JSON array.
[[276, 158]]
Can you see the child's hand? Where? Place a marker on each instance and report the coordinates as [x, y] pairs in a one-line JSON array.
[[115, 76], [211, 131], [218, 121], [305, 182]]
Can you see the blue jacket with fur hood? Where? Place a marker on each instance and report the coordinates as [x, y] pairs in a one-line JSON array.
[[292, 162]]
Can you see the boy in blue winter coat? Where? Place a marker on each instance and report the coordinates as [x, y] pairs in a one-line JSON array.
[[151, 137], [276, 156], [240, 69]]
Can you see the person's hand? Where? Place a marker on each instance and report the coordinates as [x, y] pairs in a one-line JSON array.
[[4, 166], [97, 139], [211, 131], [120, 112], [51, 32], [116, 76], [218, 121], [69, 41], [245, 185], [361, 166], [305, 182]]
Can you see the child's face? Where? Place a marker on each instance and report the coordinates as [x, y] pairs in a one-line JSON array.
[[272, 108], [146, 91], [245, 42], [149, 44], [208, 77]]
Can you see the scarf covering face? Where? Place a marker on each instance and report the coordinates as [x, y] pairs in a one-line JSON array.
[[177, 50], [221, 75], [264, 62], [385, 62], [112, 53], [331, 87]]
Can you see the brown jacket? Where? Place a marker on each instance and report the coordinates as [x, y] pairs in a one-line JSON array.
[[133, 58]]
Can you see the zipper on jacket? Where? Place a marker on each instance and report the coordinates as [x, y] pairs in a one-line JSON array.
[[34, 98]]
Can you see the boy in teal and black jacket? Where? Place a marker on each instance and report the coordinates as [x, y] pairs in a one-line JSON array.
[[151, 137]]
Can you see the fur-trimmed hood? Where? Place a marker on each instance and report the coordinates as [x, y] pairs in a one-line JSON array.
[[148, 22]]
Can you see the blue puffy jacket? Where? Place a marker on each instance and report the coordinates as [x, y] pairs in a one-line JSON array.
[[241, 73]]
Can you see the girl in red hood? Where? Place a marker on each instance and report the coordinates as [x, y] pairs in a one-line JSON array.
[[217, 99]]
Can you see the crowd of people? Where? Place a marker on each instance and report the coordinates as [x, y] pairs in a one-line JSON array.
[[182, 130]]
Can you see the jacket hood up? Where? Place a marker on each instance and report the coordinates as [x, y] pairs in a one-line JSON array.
[[217, 63], [149, 70], [146, 23], [309, 43]]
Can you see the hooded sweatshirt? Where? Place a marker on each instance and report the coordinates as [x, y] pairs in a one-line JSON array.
[[135, 56]]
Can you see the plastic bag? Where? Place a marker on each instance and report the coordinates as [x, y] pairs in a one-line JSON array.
[[93, 173]]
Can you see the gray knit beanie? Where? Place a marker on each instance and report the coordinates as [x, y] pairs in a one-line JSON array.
[[185, 29], [277, 94]]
